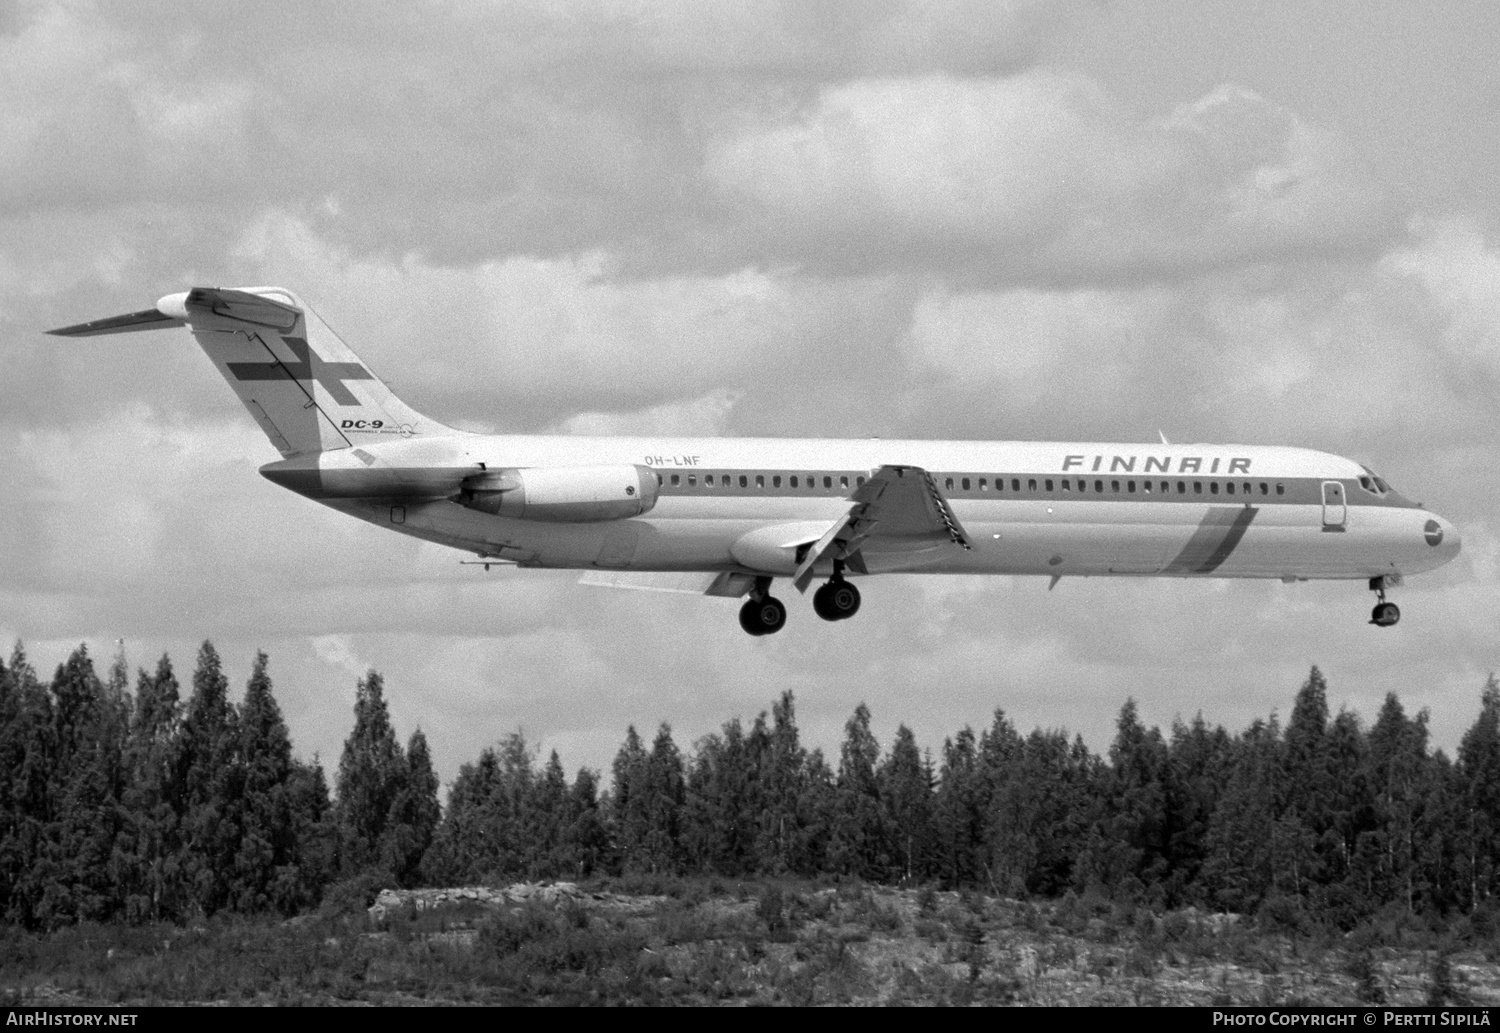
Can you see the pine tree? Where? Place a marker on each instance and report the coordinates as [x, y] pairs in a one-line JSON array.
[[1200, 766], [26, 757], [268, 839], [211, 823], [629, 804], [663, 792], [959, 814], [372, 774], [906, 807], [586, 839], [299, 884], [415, 814], [1243, 863], [857, 840], [720, 817], [461, 850], [1479, 777], [1135, 831], [780, 792], [551, 817], [1399, 773], [85, 789], [154, 800]]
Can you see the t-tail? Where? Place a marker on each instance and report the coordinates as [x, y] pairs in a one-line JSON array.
[[303, 385]]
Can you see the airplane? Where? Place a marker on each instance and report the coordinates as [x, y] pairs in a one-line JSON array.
[[728, 516]]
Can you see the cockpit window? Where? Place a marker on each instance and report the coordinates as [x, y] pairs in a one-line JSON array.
[[1372, 484]]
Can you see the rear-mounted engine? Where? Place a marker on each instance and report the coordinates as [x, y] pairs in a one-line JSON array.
[[565, 494]]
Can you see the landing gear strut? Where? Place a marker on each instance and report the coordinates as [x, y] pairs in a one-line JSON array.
[[1385, 614], [763, 613], [837, 600]]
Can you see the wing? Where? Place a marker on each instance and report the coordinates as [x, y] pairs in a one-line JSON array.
[[900, 507]]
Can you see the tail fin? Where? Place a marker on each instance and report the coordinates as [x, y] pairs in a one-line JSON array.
[[303, 385]]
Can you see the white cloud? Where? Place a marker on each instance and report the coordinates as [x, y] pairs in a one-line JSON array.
[[704, 416], [1044, 172]]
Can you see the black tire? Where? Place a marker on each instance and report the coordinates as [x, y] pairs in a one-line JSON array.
[[771, 614], [823, 604], [1385, 615], [750, 618], [844, 599]]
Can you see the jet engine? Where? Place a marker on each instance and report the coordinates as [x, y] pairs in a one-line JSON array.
[[562, 494]]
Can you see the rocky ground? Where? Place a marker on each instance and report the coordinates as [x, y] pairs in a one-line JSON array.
[[758, 943]]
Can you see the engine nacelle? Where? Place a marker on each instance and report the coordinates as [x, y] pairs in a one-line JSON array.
[[562, 494]]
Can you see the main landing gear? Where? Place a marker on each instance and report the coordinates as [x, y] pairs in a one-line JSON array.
[[764, 614], [836, 601], [1385, 614]]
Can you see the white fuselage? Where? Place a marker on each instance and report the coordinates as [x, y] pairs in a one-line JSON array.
[[1047, 508]]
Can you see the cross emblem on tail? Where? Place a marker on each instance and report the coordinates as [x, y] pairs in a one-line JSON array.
[[309, 366]]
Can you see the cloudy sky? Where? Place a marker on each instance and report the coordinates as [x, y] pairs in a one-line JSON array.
[[1271, 223]]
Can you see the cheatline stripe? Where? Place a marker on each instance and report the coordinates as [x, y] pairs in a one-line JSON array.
[[1217, 536]]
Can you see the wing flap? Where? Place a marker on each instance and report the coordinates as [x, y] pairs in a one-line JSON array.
[[727, 584], [899, 507]]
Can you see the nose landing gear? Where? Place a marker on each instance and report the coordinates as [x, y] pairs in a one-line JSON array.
[[1385, 614]]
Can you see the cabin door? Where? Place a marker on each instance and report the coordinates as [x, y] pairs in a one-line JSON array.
[[1335, 508]]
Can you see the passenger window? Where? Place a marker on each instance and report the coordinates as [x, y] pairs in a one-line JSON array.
[[1049, 484], [1115, 486], [692, 480], [1099, 487], [658, 480], [843, 482], [948, 484], [708, 479], [1281, 489], [966, 484], [760, 480], [1197, 487], [1064, 484], [676, 479], [1182, 487], [1229, 487], [1145, 486], [776, 481], [982, 484], [827, 482], [744, 481], [794, 480], [1264, 488], [859, 481], [1213, 487], [1031, 484]]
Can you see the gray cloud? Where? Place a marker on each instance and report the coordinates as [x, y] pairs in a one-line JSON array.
[[834, 219]]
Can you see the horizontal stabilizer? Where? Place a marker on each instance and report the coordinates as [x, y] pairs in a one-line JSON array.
[[148, 319]]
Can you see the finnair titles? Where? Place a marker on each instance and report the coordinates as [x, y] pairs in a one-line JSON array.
[[727, 517]]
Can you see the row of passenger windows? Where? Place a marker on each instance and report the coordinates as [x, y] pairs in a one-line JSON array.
[[792, 480], [1146, 488], [1068, 484], [1033, 484]]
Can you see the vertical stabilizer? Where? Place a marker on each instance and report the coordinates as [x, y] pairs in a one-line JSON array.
[[303, 385]]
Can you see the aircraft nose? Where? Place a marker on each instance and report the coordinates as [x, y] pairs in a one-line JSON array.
[[1442, 537]]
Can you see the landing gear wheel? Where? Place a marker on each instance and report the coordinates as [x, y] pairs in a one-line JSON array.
[[1385, 615], [836, 601], [764, 616]]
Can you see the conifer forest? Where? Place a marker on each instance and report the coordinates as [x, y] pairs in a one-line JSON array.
[[168, 801]]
